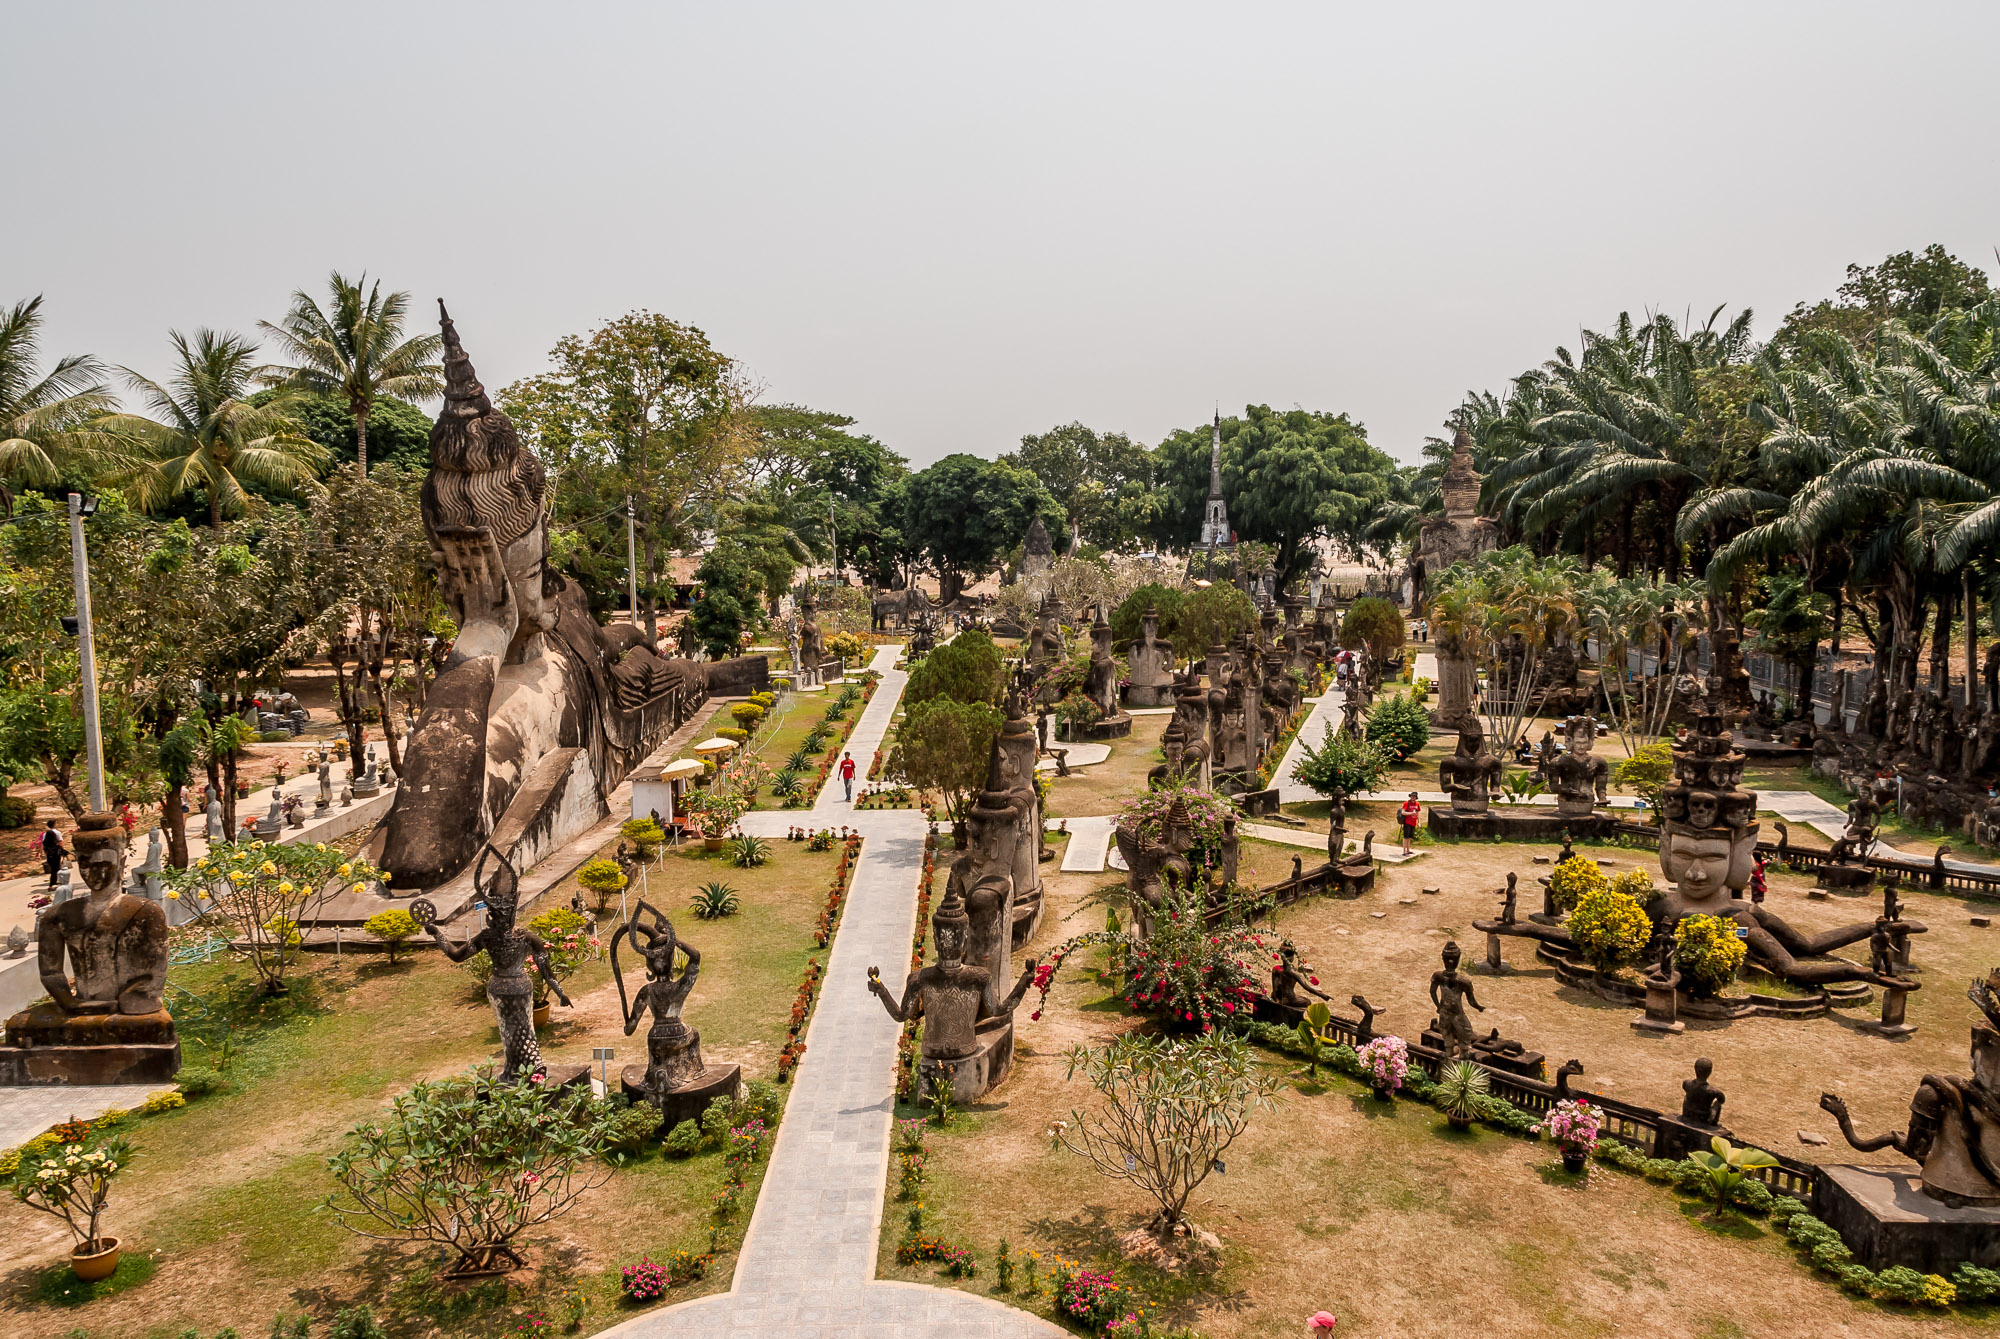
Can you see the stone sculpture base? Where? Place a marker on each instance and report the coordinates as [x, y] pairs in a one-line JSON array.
[[1525, 825], [1676, 1138], [48, 1047], [981, 1072], [1027, 920], [1528, 1064], [1149, 695], [1111, 727], [689, 1100], [1845, 878], [1886, 1219]]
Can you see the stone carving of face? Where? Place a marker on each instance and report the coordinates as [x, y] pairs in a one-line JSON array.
[[1702, 808], [1452, 955], [104, 868], [1582, 737], [1698, 866], [950, 937]]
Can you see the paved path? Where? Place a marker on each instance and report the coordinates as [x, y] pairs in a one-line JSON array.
[[868, 734], [807, 1266], [27, 1112], [1325, 712], [1089, 843]]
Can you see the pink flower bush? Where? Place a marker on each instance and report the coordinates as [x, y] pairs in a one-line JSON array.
[[1574, 1124], [1386, 1061]]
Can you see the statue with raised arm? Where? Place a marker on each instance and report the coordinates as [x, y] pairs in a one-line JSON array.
[[1289, 977], [949, 995], [674, 1078], [510, 949], [1954, 1129]]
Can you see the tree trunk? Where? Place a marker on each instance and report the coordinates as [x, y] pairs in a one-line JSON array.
[[361, 408], [1625, 540], [1839, 609], [214, 509], [347, 691], [652, 549], [1971, 643], [1941, 647], [174, 822], [229, 796]]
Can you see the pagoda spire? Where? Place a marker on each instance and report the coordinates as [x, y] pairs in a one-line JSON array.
[[1215, 517]]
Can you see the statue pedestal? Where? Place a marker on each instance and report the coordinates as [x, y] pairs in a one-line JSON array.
[[1662, 1016], [1845, 878], [46, 1046], [687, 1101], [1149, 694], [1891, 1024], [1886, 1219], [1675, 1138], [975, 1075]]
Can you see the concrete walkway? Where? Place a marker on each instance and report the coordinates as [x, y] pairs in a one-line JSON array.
[[808, 1261], [1089, 843], [1325, 712], [868, 734]]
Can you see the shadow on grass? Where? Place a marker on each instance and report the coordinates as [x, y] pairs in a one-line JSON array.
[[1370, 1107], [1090, 1236], [57, 1285], [1733, 1225]]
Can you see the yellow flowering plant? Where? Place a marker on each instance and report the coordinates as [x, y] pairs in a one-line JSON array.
[[270, 896], [1610, 927], [1708, 952], [1572, 879]]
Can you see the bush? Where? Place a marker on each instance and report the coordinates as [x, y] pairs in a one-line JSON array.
[[159, 1102], [758, 1102], [1784, 1208], [357, 1322], [392, 927], [1622, 1156], [1399, 725], [274, 736], [731, 732], [643, 833], [198, 1081], [16, 812], [1572, 878], [1898, 1283], [1610, 927], [646, 1281], [469, 1165], [1341, 764], [630, 1127], [1975, 1284], [1831, 1255], [749, 852], [1708, 951], [746, 714], [1856, 1279], [684, 1140], [846, 645], [1646, 772], [715, 900]]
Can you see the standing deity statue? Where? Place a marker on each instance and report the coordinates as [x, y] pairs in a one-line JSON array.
[[1451, 991], [510, 949], [673, 1049], [949, 995]]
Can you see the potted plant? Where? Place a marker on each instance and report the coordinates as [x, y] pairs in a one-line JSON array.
[[1573, 1124], [715, 810], [1461, 1086], [568, 944], [71, 1179], [1385, 1062]]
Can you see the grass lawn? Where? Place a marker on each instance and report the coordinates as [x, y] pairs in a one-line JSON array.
[[224, 1189], [1382, 1215]]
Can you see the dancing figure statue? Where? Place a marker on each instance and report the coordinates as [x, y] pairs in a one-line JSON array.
[[509, 948], [673, 1049]]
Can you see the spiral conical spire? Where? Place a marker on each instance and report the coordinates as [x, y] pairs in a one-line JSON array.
[[464, 397]]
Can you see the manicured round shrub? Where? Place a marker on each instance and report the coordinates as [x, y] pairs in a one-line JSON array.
[[1399, 725], [731, 732], [198, 1081], [684, 1140], [746, 714], [392, 927], [1572, 878]]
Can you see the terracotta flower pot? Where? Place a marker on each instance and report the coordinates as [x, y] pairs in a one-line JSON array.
[[1460, 1120], [95, 1260], [541, 1015], [1572, 1159], [711, 843]]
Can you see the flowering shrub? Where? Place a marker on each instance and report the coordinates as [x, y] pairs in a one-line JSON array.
[[1572, 878], [1610, 927], [265, 891], [1205, 809], [957, 1261], [686, 1266], [646, 1281], [1708, 951], [1385, 1062], [392, 927], [795, 1047], [69, 1177], [1092, 1298], [570, 946], [1189, 972], [1574, 1124], [1077, 711]]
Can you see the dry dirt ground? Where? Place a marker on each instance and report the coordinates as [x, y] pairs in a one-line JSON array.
[[1383, 1216]]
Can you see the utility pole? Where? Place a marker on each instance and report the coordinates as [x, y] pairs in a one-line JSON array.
[[834, 534], [87, 668], [631, 560]]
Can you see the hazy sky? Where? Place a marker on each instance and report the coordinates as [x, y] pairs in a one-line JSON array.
[[962, 223]]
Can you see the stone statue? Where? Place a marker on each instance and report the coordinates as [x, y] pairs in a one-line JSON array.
[[538, 712], [1151, 663], [674, 1078], [1864, 815], [102, 959], [510, 948], [1470, 772], [213, 814], [812, 647], [950, 997], [1100, 681], [1511, 893], [1707, 852], [1577, 775], [1702, 1104], [1954, 1129], [17, 943], [1289, 977], [1451, 991], [325, 785]]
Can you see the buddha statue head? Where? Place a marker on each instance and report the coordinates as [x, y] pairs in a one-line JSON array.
[[1580, 734], [100, 845]]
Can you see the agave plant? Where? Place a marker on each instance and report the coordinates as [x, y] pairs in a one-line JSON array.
[[749, 852], [789, 787], [714, 900], [1461, 1086], [798, 760]]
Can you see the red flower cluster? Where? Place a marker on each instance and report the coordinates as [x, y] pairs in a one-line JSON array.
[[795, 1046], [906, 1045], [823, 932]]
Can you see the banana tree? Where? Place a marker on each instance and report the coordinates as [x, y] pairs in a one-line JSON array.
[[1728, 1167]]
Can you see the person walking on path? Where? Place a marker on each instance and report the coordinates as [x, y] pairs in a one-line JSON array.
[[1410, 812], [53, 851], [847, 775]]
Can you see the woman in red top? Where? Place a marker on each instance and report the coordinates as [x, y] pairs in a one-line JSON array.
[[1410, 813]]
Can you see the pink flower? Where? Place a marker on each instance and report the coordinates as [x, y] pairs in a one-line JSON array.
[[1035, 1016], [1321, 1320]]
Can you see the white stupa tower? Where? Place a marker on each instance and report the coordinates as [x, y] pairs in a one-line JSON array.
[[1215, 518]]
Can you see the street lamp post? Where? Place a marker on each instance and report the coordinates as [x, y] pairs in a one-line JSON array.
[[80, 507]]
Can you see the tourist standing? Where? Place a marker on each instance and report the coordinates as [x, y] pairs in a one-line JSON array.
[[1410, 814], [53, 851], [847, 774]]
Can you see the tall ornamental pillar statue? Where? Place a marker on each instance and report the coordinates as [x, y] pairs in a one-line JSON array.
[[103, 961]]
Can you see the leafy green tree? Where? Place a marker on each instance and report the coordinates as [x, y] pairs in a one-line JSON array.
[[1374, 623], [646, 407], [963, 513], [728, 602], [1290, 477], [1399, 725], [55, 427], [968, 668], [398, 433], [207, 438], [1087, 474], [1909, 286], [354, 349], [1212, 616], [1341, 765], [1128, 619], [942, 747]]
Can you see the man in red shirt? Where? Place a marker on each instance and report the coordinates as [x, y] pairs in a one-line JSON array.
[[847, 774], [1410, 813]]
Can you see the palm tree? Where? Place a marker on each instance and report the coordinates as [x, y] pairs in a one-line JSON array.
[[50, 425], [209, 438], [355, 350]]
